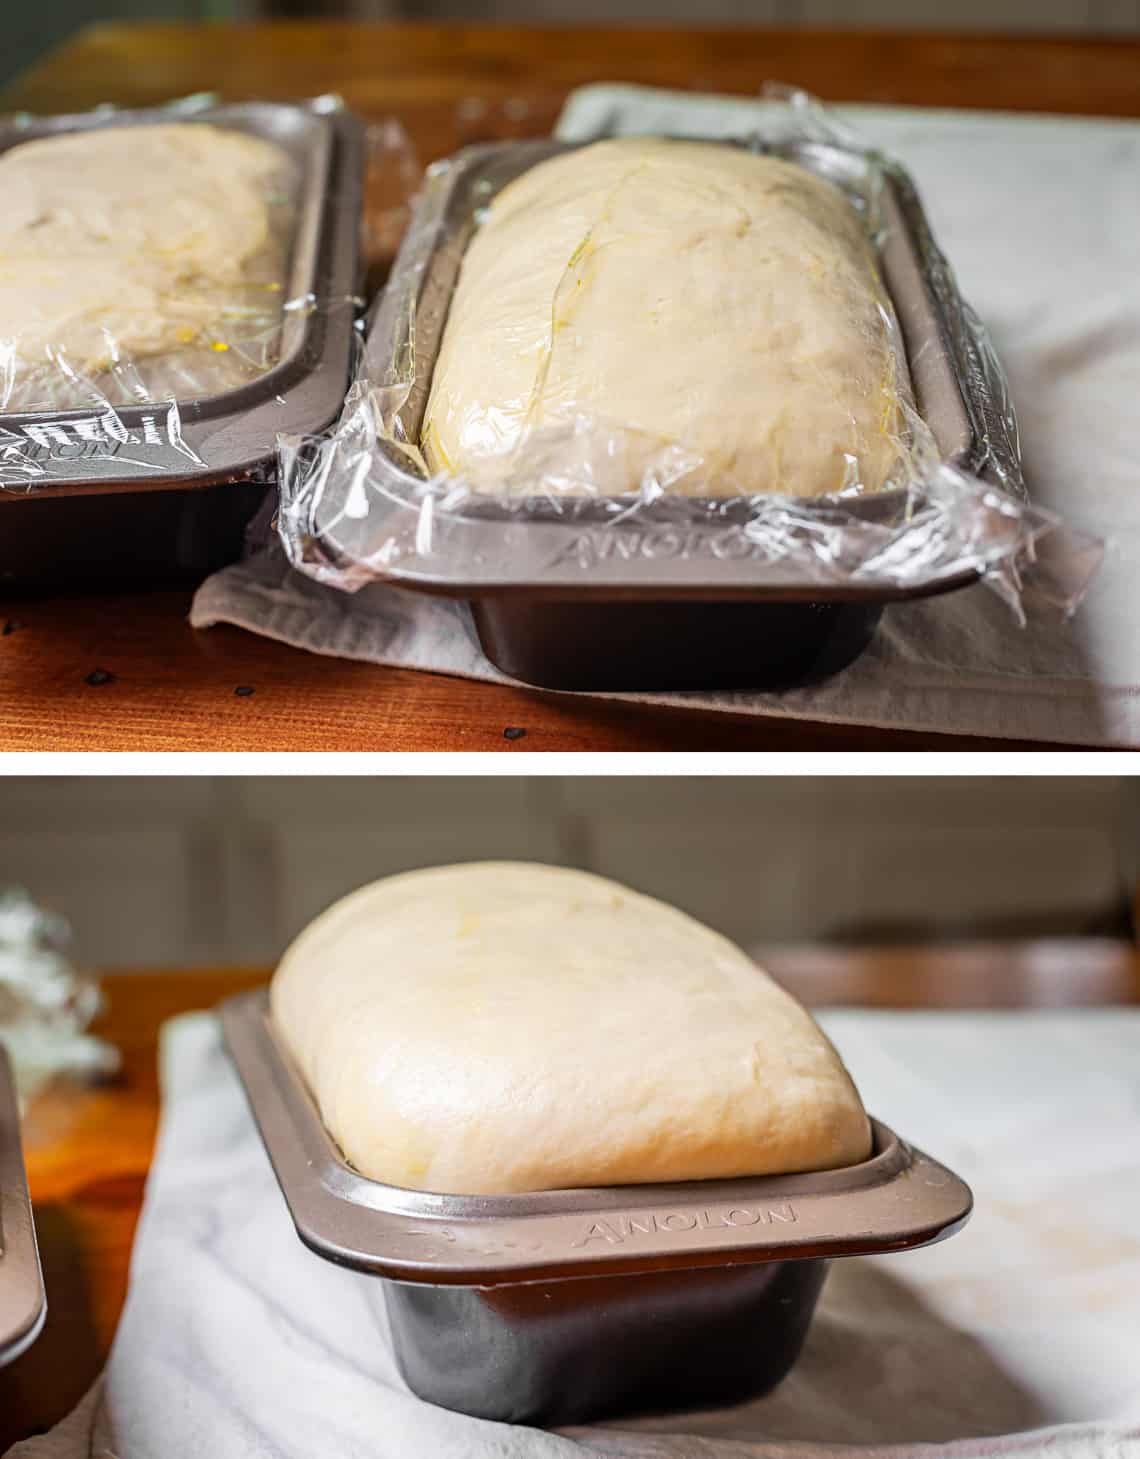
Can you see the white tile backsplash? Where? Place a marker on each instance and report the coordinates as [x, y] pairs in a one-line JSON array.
[[133, 895], [168, 871]]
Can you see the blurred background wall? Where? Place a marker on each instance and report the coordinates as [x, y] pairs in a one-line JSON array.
[[32, 30], [197, 871], [1100, 16]]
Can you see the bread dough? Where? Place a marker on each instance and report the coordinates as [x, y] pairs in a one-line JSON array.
[[123, 242], [501, 1027], [682, 294]]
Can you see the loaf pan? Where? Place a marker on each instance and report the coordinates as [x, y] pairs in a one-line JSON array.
[[564, 596], [148, 503], [568, 1306], [23, 1306]]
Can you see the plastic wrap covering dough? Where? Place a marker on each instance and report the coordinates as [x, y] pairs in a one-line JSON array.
[[503, 1027], [689, 293], [124, 243]]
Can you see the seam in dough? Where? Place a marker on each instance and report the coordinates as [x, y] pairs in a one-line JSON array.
[[684, 294]]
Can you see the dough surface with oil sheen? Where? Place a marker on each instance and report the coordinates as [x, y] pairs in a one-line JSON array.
[[687, 295], [123, 242], [508, 1027]]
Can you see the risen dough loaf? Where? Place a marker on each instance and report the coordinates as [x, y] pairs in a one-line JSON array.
[[694, 294], [126, 241], [504, 1027]]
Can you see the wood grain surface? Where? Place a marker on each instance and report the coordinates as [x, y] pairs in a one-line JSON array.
[[128, 673], [381, 69], [88, 1150], [170, 688]]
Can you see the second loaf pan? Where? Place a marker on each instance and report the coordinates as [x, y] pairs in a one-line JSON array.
[[567, 1306], [163, 492], [587, 602], [23, 1306]]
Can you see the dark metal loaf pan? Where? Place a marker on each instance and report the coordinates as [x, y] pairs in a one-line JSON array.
[[567, 597], [23, 1305], [147, 509], [567, 1306]]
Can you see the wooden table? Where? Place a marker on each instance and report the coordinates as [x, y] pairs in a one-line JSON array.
[[88, 1151], [174, 689]]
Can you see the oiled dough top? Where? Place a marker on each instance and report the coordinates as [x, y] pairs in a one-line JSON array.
[[694, 294], [124, 241], [507, 1027]]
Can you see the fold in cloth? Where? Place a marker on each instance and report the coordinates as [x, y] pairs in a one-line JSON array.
[[1019, 1336], [1039, 216], [1028, 684]]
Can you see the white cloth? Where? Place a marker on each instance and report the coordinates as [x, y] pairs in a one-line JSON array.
[[1039, 216], [1019, 1336]]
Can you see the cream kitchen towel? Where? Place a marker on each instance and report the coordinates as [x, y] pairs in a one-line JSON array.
[[1040, 216], [1019, 1336]]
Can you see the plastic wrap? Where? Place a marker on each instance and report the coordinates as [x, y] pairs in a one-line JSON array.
[[784, 386], [141, 264], [178, 285]]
